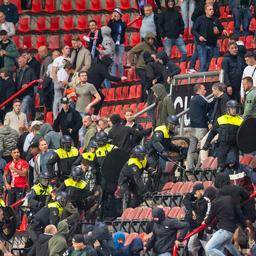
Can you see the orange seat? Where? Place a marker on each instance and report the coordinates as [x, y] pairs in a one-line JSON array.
[[66, 5], [54, 23], [50, 6], [41, 24], [24, 24], [80, 5], [68, 23], [82, 23]]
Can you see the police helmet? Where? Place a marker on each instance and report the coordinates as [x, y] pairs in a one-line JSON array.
[[44, 178], [139, 152], [66, 142], [92, 144], [61, 198], [76, 173], [172, 119], [232, 107], [101, 138]]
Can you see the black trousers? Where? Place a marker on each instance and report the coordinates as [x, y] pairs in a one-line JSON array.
[[227, 154], [98, 106], [141, 73]]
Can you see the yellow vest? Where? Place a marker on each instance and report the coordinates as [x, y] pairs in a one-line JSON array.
[[164, 130], [104, 150], [89, 156], [56, 205], [81, 184], [64, 154], [2, 203], [41, 191], [228, 119], [140, 164]]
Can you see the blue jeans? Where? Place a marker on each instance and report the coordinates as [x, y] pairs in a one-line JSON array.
[[242, 16], [187, 9], [118, 60], [205, 53], [26, 105], [221, 239], [169, 43]]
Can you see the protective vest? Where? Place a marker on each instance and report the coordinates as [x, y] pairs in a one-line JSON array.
[[164, 130], [67, 154], [56, 205], [104, 150], [2, 203], [231, 120], [140, 164], [89, 156], [81, 184], [41, 191]]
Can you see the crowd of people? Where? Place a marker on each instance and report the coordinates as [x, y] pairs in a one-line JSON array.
[[66, 172]]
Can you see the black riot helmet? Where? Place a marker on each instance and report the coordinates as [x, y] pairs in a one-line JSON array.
[[66, 142], [44, 178], [92, 146], [76, 173], [101, 138], [232, 107], [139, 152], [171, 122], [61, 198]]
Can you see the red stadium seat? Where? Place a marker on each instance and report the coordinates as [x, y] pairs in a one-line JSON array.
[[207, 163], [55, 23], [134, 39], [110, 5], [126, 92], [167, 186], [95, 5], [110, 94], [174, 212], [118, 109], [68, 23], [138, 91], [16, 40], [130, 238], [49, 118], [246, 159], [67, 40], [98, 18], [24, 24], [104, 111], [253, 163], [230, 27], [82, 23], [132, 94], [213, 64], [66, 5], [40, 40], [54, 42], [183, 67], [80, 5], [249, 42], [50, 6], [207, 184], [137, 24], [36, 6], [27, 42], [41, 24], [133, 107], [125, 4], [119, 93]]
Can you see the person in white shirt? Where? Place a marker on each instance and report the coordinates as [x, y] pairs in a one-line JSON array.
[[59, 86], [250, 70], [5, 25]]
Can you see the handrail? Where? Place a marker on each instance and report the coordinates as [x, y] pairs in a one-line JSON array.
[[203, 226], [18, 93], [14, 205]]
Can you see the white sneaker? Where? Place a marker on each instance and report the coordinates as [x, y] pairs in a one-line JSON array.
[[191, 71]]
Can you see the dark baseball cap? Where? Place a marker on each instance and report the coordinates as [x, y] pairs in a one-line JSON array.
[[3, 32], [65, 100], [196, 187]]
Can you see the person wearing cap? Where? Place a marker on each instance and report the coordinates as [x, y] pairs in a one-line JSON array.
[[8, 52], [135, 58], [68, 121], [165, 231], [16, 119], [80, 56], [118, 28], [196, 208]]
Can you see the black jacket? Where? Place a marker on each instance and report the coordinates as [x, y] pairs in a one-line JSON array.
[[36, 66], [233, 66], [170, 24], [68, 120], [198, 110], [11, 12], [165, 233], [204, 27], [24, 77], [98, 73], [115, 30], [41, 246], [227, 213], [121, 136]]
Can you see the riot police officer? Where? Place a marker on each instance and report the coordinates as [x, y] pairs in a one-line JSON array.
[[64, 157], [39, 192], [226, 126], [131, 180], [76, 188]]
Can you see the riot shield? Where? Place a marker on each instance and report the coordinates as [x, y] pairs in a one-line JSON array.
[[246, 136], [112, 165]]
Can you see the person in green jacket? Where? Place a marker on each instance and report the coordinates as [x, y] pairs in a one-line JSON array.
[[8, 52], [250, 100]]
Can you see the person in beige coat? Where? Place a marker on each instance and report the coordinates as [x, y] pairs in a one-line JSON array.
[[80, 56]]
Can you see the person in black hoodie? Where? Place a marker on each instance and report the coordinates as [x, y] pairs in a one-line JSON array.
[[97, 74], [233, 66], [173, 31], [165, 233], [206, 29]]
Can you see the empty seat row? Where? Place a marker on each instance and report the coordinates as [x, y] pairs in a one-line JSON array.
[[136, 219]]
